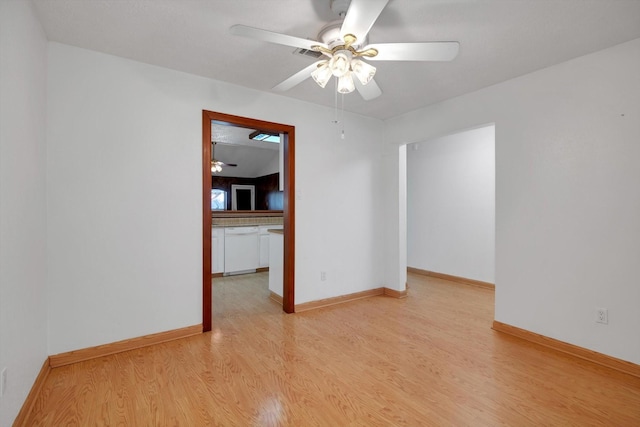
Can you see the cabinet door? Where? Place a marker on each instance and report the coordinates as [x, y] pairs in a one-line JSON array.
[[217, 250], [264, 250], [214, 250]]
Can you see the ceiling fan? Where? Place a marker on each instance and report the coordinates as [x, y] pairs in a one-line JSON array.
[[216, 165], [344, 42]]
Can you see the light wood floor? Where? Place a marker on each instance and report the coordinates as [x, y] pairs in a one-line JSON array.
[[429, 359]]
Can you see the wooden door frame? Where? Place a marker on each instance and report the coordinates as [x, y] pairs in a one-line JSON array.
[[288, 146]]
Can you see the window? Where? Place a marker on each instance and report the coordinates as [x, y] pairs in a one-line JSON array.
[[218, 199]]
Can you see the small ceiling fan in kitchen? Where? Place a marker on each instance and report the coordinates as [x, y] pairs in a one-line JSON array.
[[217, 165], [345, 45]]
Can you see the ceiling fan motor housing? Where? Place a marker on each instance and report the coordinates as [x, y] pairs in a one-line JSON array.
[[330, 35]]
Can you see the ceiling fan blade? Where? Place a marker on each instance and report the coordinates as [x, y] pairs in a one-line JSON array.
[[369, 91], [220, 163], [361, 16], [297, 78], [271, 37], [427, 51]]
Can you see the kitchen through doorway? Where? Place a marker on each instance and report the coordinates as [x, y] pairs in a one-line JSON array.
[[211, 153]]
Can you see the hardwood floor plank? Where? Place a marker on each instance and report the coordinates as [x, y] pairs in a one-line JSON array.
[[428, 359]]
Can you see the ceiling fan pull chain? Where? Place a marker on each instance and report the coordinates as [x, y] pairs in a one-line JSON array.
[[342, 116], [335, 102]]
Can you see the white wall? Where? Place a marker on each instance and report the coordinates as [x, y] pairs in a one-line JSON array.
[[451, 204], [124, 196], [567, 195], [23, 311]]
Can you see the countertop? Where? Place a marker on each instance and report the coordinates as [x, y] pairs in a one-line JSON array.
[[246, 221]]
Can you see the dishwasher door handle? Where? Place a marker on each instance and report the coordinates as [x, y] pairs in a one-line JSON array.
[[241, 230]]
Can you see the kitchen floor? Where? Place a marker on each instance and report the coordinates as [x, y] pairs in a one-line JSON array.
[[241, 295]]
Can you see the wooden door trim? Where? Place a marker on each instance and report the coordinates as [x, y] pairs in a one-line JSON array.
[[288, 145]]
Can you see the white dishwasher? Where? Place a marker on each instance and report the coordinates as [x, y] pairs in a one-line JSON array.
[[240, 249]]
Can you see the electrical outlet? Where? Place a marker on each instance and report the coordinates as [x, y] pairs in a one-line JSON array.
[[323, 276], [602, 315], [3, 381]]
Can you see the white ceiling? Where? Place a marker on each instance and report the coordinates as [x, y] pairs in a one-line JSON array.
[[253, 158], [499, 40]]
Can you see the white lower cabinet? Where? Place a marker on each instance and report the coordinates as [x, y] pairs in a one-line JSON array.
[[264, 243], [217, 250], [264, 250]]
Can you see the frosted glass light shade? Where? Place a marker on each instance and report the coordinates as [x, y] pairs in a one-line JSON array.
[[322, 74], [363, 71], [345, 83], [340, 62]]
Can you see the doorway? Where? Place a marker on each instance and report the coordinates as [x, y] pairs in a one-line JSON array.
[[451, 205], [288, 147]]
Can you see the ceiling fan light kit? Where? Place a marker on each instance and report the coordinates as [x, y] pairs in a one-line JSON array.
[[345, 41], [345, 83], [322, 74], [340, 63], [215, 167], [344, 66], [363, 71]]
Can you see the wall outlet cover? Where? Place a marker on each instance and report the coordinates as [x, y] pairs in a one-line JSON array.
[[602, 315]]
